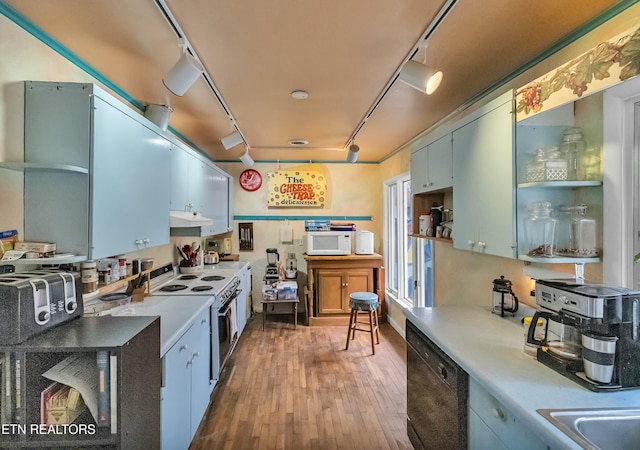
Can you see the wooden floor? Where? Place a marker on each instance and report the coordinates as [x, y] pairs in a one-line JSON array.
[[299, 389]]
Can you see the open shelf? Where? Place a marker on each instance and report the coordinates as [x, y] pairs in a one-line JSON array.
[[559, 260], [47, 261], [567, 184], [45, 167], [431, 238]]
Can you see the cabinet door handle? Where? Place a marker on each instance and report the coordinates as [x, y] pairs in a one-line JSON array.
[[138, 242], [146, 241], [183, 347], [204, 321], [497, 413], [482, 244], [471, 243], [430, 183], [195, 355]]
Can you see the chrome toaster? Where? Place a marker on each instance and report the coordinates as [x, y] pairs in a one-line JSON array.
[[36, 301]]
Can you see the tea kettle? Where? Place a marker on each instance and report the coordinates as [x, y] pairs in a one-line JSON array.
[[211, 258], [503, 299]]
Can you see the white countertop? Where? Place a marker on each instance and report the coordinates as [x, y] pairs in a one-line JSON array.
[[490, 349], [177, 314]]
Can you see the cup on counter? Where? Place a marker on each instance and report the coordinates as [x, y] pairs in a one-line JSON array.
[[598, 355]]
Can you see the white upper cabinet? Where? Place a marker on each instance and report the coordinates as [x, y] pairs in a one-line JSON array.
[[198, 185], [122, 203], [432, 166], [483, 173]]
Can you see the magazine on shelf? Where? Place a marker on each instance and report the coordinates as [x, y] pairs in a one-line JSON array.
[[114, 393], [80, 372], [102, 362]]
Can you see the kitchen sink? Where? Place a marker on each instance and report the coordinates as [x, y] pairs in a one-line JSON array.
[[598, 428]]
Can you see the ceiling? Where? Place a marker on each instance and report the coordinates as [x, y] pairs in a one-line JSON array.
[[345, 54]]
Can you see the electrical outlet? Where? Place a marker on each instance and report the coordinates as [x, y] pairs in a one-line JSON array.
[[299, 242]]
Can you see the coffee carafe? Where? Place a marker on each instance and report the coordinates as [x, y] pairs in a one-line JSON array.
[[503, 299]]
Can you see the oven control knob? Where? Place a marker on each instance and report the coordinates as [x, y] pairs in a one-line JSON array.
[[71, 306], [44, 316]]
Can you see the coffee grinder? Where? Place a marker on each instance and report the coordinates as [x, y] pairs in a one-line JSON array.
[[271, 272], [291, 270]]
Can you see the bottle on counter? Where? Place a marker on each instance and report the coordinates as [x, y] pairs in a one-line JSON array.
[[89, 277]]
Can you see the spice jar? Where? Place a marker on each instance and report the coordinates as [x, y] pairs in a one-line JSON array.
[[576, 233], [89, 277], [539, 230]]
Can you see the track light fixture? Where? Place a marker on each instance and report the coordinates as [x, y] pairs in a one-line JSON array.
[[420, 76], [232, 140], [184, 72], [352, 156], [158, 114], [246, 158]]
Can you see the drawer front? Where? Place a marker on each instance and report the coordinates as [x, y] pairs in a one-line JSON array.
[[511, 432]]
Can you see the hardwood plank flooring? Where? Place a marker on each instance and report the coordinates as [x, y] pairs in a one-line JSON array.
[[299, 389]]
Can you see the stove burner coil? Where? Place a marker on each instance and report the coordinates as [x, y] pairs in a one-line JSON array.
[[188, 277], [213, 278], [201, 288], [173, 287]]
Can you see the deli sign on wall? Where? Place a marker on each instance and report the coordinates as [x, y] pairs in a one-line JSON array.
[[298, 187]]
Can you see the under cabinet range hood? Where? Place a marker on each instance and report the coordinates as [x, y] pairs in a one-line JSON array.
[[185, 219]]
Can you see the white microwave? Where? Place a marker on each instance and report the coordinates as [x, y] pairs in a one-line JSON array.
[[329, 243]]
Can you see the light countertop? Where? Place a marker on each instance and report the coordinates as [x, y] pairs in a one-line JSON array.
[[177, 314], [490, 349]]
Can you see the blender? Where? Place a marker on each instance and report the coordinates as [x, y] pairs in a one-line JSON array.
[[271, 272]]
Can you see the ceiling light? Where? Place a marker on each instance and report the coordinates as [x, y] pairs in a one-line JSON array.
[[352, 156], [299, 94], [420, 76], [232, 140], [246, 158], [158, 114], [183, 74], [298, 142]]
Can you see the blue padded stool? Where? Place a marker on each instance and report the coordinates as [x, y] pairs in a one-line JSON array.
[[363, 301]]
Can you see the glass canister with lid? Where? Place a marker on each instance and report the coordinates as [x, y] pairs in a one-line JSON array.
[[572, 150], [576, 233], [539, 230]]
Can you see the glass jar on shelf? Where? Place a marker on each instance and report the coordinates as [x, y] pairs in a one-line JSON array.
[[576, 233], [546, 165], [572, 150], [539, 230], [592, 163]]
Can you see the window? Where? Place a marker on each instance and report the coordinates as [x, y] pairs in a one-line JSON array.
[[398, 242]]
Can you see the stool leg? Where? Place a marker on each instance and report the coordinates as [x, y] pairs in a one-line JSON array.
[[349, 330], [355, 324], [371, 330], [375, 316]]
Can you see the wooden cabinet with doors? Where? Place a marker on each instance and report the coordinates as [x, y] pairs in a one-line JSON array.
[[331, 279], [334, 287]]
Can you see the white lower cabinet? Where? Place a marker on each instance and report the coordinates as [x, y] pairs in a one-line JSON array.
[[185, 385], [492, 426], [243, 306]]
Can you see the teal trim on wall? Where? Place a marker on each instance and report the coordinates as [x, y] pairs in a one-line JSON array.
[[56, 46], [265, 217]]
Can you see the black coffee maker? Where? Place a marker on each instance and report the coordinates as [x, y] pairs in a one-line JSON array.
[[593, 310]]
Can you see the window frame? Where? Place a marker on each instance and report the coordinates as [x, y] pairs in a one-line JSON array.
[[396, 259]]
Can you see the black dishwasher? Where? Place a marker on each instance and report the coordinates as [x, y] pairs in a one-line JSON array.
[[437, 395]]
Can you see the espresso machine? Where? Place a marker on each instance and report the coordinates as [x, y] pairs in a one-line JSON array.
[[591, 333], [272, 271]]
